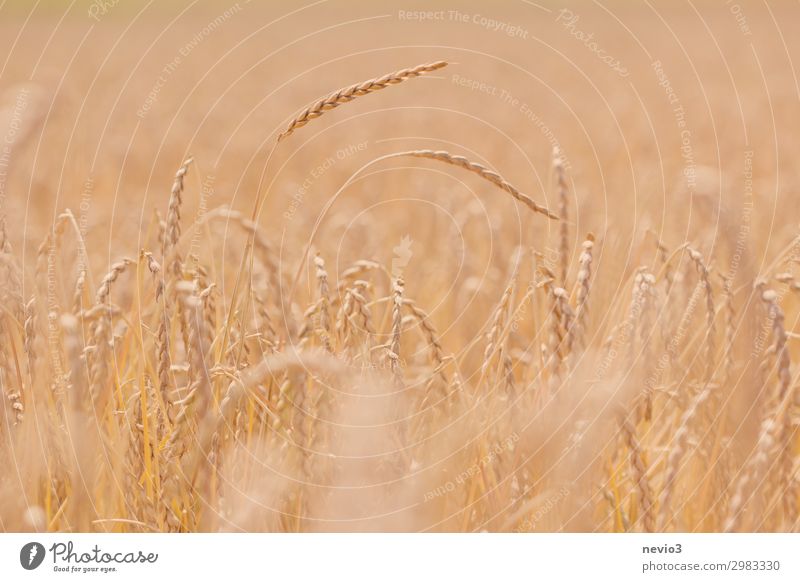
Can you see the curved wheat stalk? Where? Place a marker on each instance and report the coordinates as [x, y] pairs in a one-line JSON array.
[[430, 334]]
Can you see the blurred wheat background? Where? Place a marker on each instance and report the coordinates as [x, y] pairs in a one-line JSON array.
[[389, 266]]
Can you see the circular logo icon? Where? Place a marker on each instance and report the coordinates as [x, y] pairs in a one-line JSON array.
[[31, 555]]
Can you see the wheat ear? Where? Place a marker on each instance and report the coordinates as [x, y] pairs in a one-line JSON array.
[[324, 312], [101, 335], [347, 94], [787, 430], [498, 322], [30, 338], [14, 396], [199, 393], [640, 475], [584, 287], [431, 336], [705, 279], [483, 172], [173, 228], [678, 450], [162, 333], [397, 327], [730, 325]]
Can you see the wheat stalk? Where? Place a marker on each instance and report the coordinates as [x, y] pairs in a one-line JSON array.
[[12, 287], [563, 209], [30, 338], [730, 326], [14, 396]]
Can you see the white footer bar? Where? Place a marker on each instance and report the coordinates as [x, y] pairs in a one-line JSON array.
[[406, 557]]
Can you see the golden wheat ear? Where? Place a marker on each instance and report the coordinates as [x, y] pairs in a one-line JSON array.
[[483, 172], [347, 94]]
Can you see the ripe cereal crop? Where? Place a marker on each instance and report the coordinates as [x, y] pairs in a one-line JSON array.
[[266, 270]]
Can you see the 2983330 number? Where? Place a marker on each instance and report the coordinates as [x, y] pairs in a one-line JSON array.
[[756, 565]]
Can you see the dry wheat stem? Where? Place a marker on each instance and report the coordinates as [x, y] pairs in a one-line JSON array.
[[563, 209]]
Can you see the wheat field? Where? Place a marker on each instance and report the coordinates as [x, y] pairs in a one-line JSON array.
[[354, 266]]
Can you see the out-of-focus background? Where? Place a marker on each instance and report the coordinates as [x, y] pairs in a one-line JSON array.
[[676, 122], [117, 93]]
